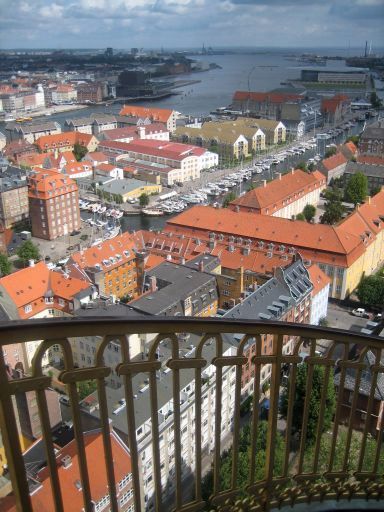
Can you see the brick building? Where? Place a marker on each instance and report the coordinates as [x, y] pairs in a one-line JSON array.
[[53, 204], [111, 265]]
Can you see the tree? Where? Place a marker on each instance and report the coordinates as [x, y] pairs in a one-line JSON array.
[[144, 199], [86, 387], [330, 152], [375, 100], [229, 198], [28, 251], [250, 187], [375, 190], [302, 166], [309, 212], [333, 212], [125, 299], [5, 265], [300, 216], [371, 291], [311, 167], [314, 401], [79, 151], [244, 450], [354, 138], [333, 208], [357, 188]]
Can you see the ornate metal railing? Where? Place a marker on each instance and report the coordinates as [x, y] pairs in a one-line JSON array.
[[311, 451]]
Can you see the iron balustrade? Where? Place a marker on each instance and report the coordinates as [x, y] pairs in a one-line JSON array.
[[295, 483]]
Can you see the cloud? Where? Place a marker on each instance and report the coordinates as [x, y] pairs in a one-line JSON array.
[[186, 23]]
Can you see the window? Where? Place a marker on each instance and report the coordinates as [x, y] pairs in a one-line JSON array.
[[27, 308]]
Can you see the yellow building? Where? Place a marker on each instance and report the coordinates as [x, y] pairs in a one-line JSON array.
[[130, 188]]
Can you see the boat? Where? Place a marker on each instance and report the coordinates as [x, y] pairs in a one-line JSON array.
[[97, 241], [23, 119], [112, 233], [152, 212], [118, 214], [9, 117]]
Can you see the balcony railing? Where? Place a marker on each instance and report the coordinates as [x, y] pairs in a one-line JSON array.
[[292, 471]]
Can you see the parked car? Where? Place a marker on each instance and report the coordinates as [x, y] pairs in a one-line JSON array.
[[360, 312]]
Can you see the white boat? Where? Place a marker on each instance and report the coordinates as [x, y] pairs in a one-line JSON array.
[[118, 214], [112, 233], [103, 209], [97, 241], [152, 212]]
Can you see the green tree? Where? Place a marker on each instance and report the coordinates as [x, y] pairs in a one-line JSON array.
[[28, 251], [300, 216], [5, 265], [311, 167], [302, 166], [144, 199], [229, 198], [371, 291], [330, 152], [333, 208], [86, 387], [309, 212], [375, 100], [244, 450], [79, 151], [125, 298], [354, 138], [250, 187], [375, 190], [357, 188], [314, 401]]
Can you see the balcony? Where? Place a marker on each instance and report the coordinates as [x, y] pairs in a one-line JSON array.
[[341, 461]]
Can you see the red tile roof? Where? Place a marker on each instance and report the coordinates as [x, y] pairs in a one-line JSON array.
[[334, 161], [318, 241], [34, 160], [268, 97], [30, 285], [371, 159], [59, 140], [108, 254], [171, 150], [290, 187], [156, 114], [96, 156], [69, 476], [318, 278], [331, 104], [133, 131], [49, 183]]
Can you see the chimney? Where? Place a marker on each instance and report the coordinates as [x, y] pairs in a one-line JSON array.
[[201, 266], [152, 284], [279, 175], [141, 132], [237, 208], [67, 461], [264, 183], [182, 261], [31, 263], [293, 171], [368, 199]]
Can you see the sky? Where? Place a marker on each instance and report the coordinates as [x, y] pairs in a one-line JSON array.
[[153, 24]]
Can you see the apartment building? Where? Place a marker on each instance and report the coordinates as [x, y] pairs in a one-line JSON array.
[[89, 93], [372, 140], [335, 109], [66, 142], [157, 131], [14, 206], [111, 265], [63, 94], [320, 294], [187, 159], [264, 104], [227, 138], [95, 124], [333, 166], [344, 252], [31, 131], [283, 197], [67, 460], [39, 292], [53, 204], [178, 290], [275, 131], [373, 172], [286, 297], [156, 115]]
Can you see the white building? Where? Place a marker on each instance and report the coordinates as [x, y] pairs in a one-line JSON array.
[[320, 293]]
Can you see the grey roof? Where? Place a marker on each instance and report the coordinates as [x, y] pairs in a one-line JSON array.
[[38, 127], [365, 380], [12, 177], [164, 384], [208, 262], [102, 308], [79, 121], [175, 283], [94, 118], [275, 297], [375, 171], [373, 132]]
